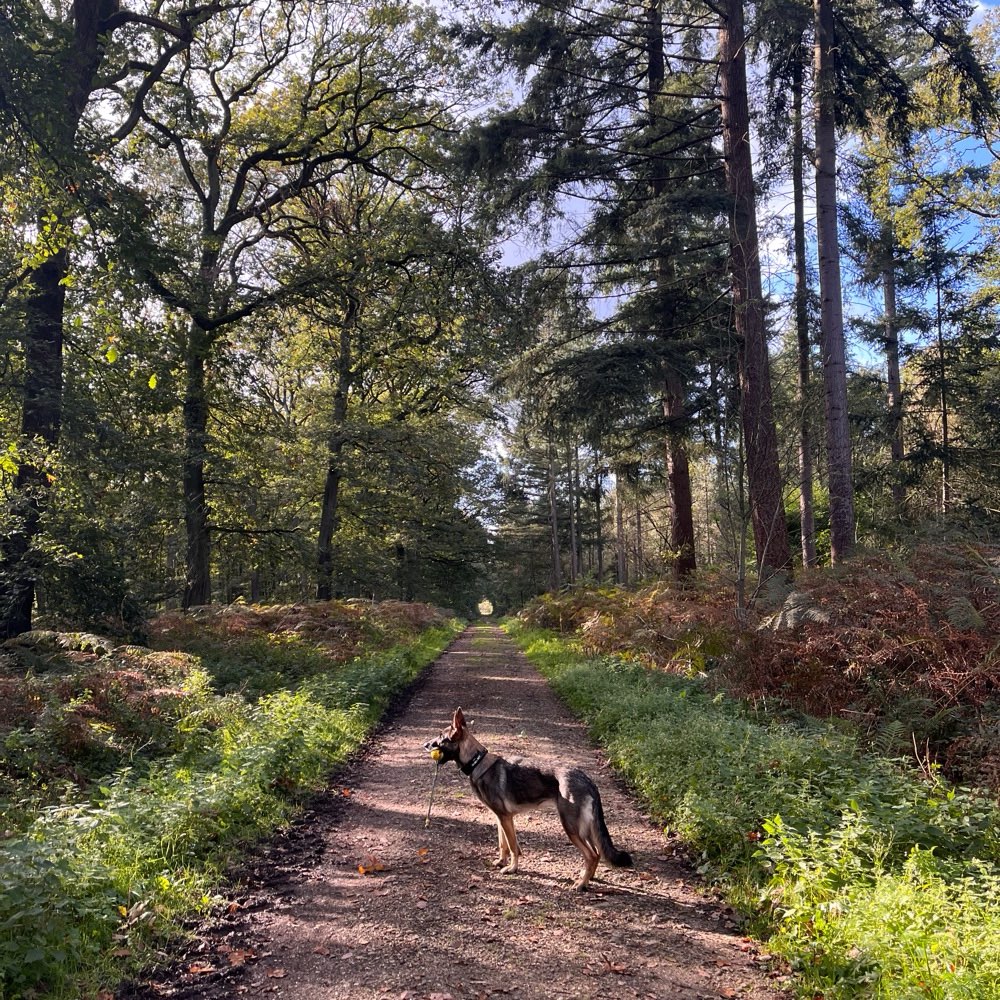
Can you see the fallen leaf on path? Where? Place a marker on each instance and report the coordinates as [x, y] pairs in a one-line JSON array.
[[592, 969], [617, 967], [371, 864], [321, 950], [276, 973], [200, 968], [238, 957]]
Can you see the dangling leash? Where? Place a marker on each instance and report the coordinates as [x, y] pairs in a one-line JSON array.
[[437, 757]]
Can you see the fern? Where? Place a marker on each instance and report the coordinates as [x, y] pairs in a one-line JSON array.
[[798, 609], [964, 615], [891, 739]]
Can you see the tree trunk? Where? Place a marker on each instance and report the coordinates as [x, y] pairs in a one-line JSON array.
[[329, 511], [41, 420], [640, 552], [682, 537], [578, 509], [404, 573], [807, 517], [599, 526], [942, 398], [893, 382], [621, 561], [763, 473], [41, 402], [838, 432], [328, 520], [679, 485], [198, 581], [574, 564], [555, 576]]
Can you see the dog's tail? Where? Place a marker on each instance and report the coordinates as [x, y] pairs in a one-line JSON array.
[[611, 854]]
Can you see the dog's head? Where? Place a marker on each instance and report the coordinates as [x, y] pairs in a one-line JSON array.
[[450, 739]]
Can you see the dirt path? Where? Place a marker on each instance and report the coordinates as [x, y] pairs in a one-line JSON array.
[[429, 919]]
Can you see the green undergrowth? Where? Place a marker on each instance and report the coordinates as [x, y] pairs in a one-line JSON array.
[[871, 879], [92, 884]]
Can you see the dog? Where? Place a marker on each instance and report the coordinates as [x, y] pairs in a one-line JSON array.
[[508, 788]]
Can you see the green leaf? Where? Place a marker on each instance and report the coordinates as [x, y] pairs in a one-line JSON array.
[[153, 380], [112, 354], [9, 461]]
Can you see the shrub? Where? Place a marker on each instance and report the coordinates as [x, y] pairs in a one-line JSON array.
[[89, 883], [801, 827], [902, 646]]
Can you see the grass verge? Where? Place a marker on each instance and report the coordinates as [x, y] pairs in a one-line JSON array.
[[870, 879], [91, 885]]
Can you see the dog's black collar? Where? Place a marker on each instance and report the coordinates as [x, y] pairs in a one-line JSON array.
[[471, 766]]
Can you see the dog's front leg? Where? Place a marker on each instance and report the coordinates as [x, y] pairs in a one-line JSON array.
[[502, 841], [508, 838]]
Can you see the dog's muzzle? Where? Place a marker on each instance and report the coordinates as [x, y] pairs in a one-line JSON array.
[[433, 747]]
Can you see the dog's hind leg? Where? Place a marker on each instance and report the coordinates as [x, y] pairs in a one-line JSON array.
[[590, 860]]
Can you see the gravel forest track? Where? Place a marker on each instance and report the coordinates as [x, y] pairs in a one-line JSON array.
[[358, 901]]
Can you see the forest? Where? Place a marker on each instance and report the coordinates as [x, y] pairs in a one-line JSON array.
[[669, 328], [304, 300]]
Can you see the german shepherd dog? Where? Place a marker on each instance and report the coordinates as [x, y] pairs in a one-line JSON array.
[[508, 787]]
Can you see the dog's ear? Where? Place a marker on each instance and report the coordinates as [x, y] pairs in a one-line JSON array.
[[458, 720]]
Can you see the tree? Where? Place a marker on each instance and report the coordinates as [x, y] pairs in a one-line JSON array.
[[270, 104], [947, 318], [783, 31], [832, 342], [52, 67], [603, 133], [408, 281], [876, 86], [876, 253], [766, 500]]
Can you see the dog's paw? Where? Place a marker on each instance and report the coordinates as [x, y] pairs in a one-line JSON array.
[[498, 862], [509, 870]]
